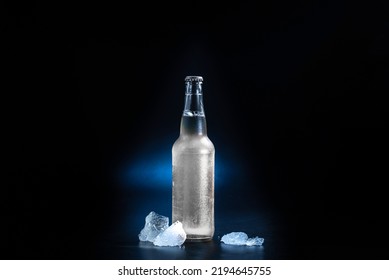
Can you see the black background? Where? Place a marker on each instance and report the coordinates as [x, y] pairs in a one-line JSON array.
[[294, 94]]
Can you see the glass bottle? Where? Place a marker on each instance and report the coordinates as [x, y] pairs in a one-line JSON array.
[[193, 158]]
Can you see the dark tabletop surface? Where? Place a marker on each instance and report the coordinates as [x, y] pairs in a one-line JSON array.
[[288, 235]]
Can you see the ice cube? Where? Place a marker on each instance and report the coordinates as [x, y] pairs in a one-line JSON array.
[[255, 241], [235, 238], [241, 238], [172, 236], [154, 225]]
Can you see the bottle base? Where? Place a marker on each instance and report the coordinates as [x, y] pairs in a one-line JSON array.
[[198, 238]]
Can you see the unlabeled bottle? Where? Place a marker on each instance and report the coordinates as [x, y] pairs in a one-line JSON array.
[[193, 158]]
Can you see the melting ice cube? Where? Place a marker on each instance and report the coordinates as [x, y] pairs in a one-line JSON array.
[[154, 225], [241, 238], [235, 238], [172, 236], [256, 241]]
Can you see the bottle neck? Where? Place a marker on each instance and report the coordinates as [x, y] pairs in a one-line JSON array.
[[191, 126], [193, 118]]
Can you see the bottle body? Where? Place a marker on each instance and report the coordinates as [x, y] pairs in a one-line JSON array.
[[193, 158], [193, 186]]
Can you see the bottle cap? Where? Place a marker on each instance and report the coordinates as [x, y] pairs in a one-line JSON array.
[[193, 79]]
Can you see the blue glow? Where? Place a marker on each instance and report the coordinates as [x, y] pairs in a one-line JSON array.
[[152, 168]]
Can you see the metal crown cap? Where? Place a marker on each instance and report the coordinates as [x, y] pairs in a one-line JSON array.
[[193, 79]]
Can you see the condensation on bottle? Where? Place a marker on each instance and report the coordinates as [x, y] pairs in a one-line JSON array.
[[193, 159]]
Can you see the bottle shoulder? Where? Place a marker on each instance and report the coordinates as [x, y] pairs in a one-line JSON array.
[[194, 144]]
